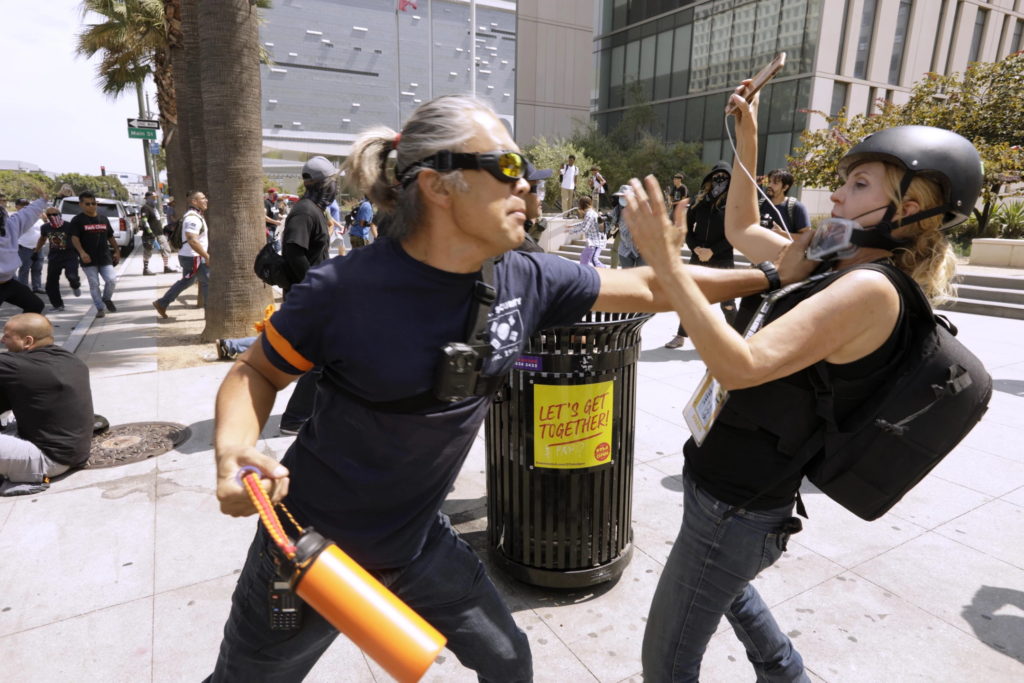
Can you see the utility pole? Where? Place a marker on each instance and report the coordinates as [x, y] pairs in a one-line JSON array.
[[472, 47], [150, 166]]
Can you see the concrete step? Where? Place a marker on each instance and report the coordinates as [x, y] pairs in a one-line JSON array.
[[996, 281], [993, 294], [981, 307]]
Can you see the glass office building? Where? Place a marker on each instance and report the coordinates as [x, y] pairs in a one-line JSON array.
[[686, 57]]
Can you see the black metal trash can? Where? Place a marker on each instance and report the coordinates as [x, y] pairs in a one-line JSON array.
[[560, 454]]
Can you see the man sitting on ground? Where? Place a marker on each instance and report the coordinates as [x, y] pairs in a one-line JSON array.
[[48, 389]]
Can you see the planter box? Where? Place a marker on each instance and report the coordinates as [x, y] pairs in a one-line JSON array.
[[996, 252]]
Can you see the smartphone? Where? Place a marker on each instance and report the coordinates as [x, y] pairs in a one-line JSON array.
[[761, 78]]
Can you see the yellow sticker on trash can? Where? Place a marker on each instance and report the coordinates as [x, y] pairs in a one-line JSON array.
[[572, 425]]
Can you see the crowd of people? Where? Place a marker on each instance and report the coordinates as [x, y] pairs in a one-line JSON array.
[[382, 432]]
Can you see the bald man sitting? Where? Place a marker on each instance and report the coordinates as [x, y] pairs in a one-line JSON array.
[[48, 389]]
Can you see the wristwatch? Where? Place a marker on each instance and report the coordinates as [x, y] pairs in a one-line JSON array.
[[768, 268]]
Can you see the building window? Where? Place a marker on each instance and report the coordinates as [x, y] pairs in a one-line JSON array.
[[867, 30], [681, 60], [842, 38], [979, 32], [663, 66], [896, 61], [1017, 34]]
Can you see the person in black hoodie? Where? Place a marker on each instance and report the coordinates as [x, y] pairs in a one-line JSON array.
[[705, 235]]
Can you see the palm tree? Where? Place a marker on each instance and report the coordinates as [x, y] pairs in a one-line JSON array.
[[133, 42], [228, 36]]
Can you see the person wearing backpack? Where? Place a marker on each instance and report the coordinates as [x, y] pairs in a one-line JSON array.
[[782, 211], [901, 186], [193, 254]]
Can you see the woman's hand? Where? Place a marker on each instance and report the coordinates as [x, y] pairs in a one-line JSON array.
[[744, 112], [658, 237]]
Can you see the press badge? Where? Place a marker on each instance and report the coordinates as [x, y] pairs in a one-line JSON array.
[[701, 411], [703, 408]]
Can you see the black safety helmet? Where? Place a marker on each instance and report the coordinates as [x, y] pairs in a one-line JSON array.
[[940, 155]]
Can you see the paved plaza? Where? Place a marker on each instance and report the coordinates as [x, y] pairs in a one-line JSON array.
[[124, 574]]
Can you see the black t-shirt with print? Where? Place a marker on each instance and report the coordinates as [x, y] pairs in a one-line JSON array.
[[59, 238], [93, 233], [307, 227], [376, 321]]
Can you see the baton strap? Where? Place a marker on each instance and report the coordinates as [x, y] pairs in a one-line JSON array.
[[250, 480]]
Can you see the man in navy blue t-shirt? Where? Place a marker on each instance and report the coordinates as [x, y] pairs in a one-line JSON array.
[[365, 471]]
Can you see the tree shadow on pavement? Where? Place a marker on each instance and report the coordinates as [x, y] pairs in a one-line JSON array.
[[1004, 633], [663, 355], [1009, 386]]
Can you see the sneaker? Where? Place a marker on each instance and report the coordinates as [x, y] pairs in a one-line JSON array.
[[56, 309], [171, 270], [110, 305], [147, 271], [287, 431], [222, 351], [39, 291], [676, 342], [160, 308], [101, 314], [77, 291]]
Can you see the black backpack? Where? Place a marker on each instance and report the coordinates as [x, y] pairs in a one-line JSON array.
[[271, 267], [937, 392]]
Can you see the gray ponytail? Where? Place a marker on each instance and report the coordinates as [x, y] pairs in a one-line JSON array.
[[444, 123]]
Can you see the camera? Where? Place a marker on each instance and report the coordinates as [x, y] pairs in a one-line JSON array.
[[457, 373]]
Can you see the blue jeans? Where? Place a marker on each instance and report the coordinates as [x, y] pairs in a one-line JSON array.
[[93, 274], [446, 585], [193, 269], [707, 575], [30, 265], [239, 344]]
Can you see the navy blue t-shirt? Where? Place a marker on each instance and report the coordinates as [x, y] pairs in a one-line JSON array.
[[376, 321]]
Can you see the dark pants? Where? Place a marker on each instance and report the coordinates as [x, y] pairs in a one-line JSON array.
[[61, 261], [729, 305], [357, 242], [21, 296], [446, 585]]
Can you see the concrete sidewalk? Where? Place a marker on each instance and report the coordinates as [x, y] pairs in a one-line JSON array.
[[125, 574]]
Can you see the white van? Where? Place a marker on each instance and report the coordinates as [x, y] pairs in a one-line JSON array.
[[124, 226]]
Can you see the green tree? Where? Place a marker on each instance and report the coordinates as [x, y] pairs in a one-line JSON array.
[[544, 154], [100, 185], [23, 184], [983, 104], [133, 44]]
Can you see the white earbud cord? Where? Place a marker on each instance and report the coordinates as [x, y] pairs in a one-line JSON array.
[[757, 187]]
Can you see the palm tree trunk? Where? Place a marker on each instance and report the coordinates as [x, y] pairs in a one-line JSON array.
[[193, 100], [230, 83], [176, 137]]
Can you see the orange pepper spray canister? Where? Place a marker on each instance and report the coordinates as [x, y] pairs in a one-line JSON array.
[[362, 608]]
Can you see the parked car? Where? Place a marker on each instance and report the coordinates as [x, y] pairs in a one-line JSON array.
[[125, 226]]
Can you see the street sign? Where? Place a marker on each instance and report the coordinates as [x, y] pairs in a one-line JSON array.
[[142, 129], [154, 148]]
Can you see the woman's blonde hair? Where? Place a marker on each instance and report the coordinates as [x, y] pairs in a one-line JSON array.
[[929, 259], [444, 123]]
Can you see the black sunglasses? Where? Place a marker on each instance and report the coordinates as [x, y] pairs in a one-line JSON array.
[[506, 166], [719, 178]]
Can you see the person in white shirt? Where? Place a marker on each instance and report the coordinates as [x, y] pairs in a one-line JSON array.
[[31, 260], [568, 175], [193, 255]]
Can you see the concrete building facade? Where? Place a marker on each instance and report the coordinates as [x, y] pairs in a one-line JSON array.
[[685, 58], [341, 66], [554, 67]]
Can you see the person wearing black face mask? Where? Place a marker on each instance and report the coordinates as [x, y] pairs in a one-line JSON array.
[[705, 234], [307, 237]]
